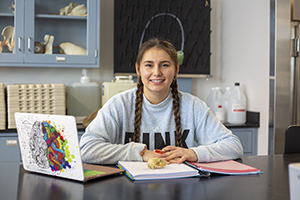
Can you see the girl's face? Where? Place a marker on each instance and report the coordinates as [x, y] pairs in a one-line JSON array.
[[157, 71]]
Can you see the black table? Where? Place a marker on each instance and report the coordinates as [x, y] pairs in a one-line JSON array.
[[273, 184]]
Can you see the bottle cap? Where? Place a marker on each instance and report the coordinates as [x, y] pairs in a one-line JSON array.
[[84, 79], [237, 84]]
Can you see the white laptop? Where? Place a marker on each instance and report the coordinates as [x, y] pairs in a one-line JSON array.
[[49, 145]]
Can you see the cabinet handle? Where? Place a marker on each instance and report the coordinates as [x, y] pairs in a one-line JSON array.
[[19, 43], [11, 142], [29, 44]]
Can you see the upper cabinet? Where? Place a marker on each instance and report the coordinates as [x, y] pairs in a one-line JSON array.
[[56, 33]]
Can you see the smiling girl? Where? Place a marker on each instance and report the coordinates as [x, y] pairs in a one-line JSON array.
[[155, 115]]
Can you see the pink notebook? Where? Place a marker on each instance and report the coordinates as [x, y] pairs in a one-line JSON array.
[[229, 167]]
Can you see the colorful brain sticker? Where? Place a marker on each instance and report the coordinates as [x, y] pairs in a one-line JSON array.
[[58, 153]]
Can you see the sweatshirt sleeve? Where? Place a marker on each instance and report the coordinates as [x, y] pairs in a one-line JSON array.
[[216, 142], [102, 141]]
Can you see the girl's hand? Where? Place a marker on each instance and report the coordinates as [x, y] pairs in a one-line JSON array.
[[178, 155], [150, 154]]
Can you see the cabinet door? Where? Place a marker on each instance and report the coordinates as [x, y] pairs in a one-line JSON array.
[[11, 21], [45, 27], [248, 138], [9, 149]]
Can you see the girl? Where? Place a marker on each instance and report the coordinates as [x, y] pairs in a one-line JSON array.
[[155, 115]]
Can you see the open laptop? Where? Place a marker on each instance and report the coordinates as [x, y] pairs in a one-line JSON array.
[[49, 145]]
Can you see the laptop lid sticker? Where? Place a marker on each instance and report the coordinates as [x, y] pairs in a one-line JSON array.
[[49, 144]]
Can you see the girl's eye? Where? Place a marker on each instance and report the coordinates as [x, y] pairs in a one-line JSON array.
[[148, 65], [165, 65]]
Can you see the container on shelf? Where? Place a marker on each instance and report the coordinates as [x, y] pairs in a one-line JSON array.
[[83, 97], [213, 99], [224, 101], [237, 104], [220, 114]]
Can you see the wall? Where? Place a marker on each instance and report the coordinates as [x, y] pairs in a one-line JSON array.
[[240, 52]]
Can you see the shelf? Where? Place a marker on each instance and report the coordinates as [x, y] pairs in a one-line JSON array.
[[251, 122], [60, 17], [7, 15]]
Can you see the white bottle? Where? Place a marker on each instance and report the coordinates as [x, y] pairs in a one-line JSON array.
[[220, 114], [237, 106], [216, 100], [83, 97], [210, 97], [224, 101]]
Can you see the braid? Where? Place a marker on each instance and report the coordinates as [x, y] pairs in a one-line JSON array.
[[176, 109], [138, 110]]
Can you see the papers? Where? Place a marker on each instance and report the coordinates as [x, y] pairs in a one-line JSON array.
[[140, 171], [228, 167]]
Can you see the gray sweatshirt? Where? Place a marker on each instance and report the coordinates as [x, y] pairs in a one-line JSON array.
[[108, 138]]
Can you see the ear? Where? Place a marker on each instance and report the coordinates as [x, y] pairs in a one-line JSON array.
[[177, 71], [137, 69]]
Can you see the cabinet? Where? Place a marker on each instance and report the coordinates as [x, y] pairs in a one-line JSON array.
[[9, 148], [35, 20], [248, 138]]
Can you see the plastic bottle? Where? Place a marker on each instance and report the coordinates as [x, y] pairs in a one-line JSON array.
[[83, 97], [237, 104], [210, 97], [220, 113], [224, 101], [214, 98]]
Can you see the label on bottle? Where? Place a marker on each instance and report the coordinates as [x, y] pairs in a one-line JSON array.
[[238, 108]]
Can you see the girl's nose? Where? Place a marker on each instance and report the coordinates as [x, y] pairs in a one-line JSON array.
[[157, 71]]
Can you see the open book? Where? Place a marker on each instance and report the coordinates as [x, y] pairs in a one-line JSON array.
[[140, 171], [228, 167]]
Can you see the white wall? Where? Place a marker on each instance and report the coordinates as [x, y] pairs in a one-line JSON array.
[[240, 52]]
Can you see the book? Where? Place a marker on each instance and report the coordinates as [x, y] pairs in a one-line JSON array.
[[228, 167], [140, 171]]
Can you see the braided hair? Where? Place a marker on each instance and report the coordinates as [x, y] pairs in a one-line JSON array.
[[170, 49]]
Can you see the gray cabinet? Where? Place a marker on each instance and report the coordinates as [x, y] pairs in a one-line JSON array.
[[39, 29], [248, 138], [9, 148]]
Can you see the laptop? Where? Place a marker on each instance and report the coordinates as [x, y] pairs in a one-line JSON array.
[[49, 145]]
